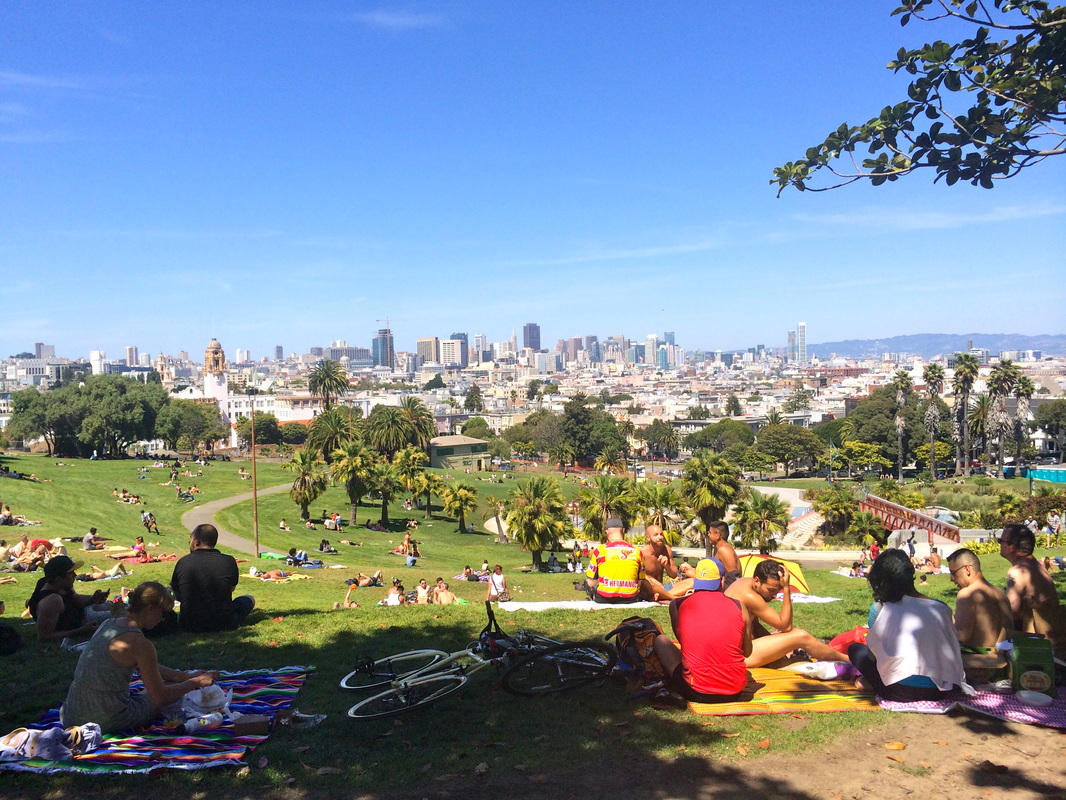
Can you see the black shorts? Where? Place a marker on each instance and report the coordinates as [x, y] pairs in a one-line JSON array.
[[676, 681]]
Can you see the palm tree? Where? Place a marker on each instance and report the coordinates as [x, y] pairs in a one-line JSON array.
[[610, 460], [420, 420], [837, 504], [386, 482], [562, 454], [846, 432], [868, 527], [410, 463], [1001, 382], [709, 484], [353, 464], [977, 422], [427, 484], [626, 428], [773, 417], [387, 430], [658, 504], [536, 516], [459, 501], [310, 480], [759, 519], [902, 383], [328, 380], [1023, 392], [933, 375], [1010, 506], [608, 496], [333, 429], [967, 369]]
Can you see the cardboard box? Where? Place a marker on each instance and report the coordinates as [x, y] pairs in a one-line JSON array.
[[252, 725], [1032, 665]]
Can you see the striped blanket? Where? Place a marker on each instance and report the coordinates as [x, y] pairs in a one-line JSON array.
[[159, 747], [775, 691]]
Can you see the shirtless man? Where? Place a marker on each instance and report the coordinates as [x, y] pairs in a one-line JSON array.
[[982, 612], [718, 535], [1034, 605], [931, 565], [754, 593], [659, 564], [445, 597]]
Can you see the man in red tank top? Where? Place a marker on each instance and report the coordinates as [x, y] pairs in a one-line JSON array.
[[715, 635]]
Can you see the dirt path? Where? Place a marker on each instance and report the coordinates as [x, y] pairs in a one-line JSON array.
[[958, 755]]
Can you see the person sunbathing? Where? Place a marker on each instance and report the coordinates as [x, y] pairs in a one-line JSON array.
[[96, 574]]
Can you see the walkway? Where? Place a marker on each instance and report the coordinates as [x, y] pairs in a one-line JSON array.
[[206, 513]]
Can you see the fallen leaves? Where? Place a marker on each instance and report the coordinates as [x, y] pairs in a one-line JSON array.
[[764, 744], [895, 746], [301, 749], [897, 759], [520, 767], [539, 779], [730, 735], [262, 762], [742, 749], [481, 768], [941, 742]]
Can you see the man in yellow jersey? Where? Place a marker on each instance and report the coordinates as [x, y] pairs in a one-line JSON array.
[[616, 568]]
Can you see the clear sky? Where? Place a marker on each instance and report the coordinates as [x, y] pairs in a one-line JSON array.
[[292, 172]]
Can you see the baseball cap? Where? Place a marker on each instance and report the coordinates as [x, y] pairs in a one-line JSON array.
[[60, 565], [615, 522], [709, 574]]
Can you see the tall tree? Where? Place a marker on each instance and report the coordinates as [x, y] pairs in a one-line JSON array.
[[978, 423], [460, 501], [333, 429], [410, 462], [353, 465], [967, 370], [1050, 417], [1014, 88], [732, 406], [1001, 382], [933, 375], [310, 481], [759, 520], [709, 484], [901, 381], [788, 444], [388, 430], [658, 504], [473, 402], [1024, 388], [328, 380], [426, 484], [536, 516], [420, 419]]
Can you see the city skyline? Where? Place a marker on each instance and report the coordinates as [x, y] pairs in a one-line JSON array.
[[317, 170]]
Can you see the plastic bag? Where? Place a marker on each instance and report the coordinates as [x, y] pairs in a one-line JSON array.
[[823, 670]]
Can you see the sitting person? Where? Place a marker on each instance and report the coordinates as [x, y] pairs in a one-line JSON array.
[[59, 610], [309, 525], [296, 557], [445, 597], [931, 564], [857, 570], [91, 542], [616, 570], [1034, 601], [282, 526], [715, 635], [422, 592], [912, 652], [395, 596], [100, 691], [982, 612], [325, 547], [754, 594]]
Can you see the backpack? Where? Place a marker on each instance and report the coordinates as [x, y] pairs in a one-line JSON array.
[[635, 640]]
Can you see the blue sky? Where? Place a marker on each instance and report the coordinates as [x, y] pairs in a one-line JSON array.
[[290, 173]]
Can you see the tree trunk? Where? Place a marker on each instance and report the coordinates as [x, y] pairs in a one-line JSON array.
[[304, 513], [353, 510], [966, 450], [384, 513], [428, 496], [536, 560]]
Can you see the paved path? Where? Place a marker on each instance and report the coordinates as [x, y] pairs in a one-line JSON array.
[[206, 513]]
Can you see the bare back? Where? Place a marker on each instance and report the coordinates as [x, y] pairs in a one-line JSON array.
[[725, 553], [982, 615], [1029, 587]]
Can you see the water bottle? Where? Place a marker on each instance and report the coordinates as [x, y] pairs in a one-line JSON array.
[[203, 723]]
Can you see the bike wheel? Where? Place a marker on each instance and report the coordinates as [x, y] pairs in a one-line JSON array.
[[377, 674], [421, 692], [559, 669]]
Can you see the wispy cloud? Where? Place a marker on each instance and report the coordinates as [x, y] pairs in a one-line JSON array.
[[657, 251], [908, 219], [24, 80], [398, 20]]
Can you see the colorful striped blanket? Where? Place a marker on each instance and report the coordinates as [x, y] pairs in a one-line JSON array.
[[775, 691], [157, 747]]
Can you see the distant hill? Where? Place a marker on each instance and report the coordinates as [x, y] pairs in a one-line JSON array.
[[928, 345]]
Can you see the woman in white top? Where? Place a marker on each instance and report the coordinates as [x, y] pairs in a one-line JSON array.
[[497, 583], [912, 651]]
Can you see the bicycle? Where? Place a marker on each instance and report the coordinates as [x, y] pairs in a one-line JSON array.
[[531, 665]]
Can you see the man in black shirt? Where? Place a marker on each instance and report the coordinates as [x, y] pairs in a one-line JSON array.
[[203, 583]]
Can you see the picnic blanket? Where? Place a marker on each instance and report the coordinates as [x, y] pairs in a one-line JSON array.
[[992, 704], [776, 691], [579, 605], [260, 691], [797, 597]]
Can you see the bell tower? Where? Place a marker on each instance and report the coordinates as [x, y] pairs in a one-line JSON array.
[[215, 383]]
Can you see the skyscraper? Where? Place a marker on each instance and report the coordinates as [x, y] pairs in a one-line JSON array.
[[452, 351], [382, 350], [463, 351], [428, 349], [279, 353], [531, 336], [801, 343], [668, 337], [790, 349]]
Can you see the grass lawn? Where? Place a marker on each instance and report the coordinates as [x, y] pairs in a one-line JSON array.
[[293, 624]]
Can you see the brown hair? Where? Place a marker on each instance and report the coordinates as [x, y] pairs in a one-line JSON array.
[[148, 594]]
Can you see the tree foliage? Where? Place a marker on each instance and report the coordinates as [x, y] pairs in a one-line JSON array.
[[328, 380], [760, 520], [788, 444], [536, 516], [979, 110]]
